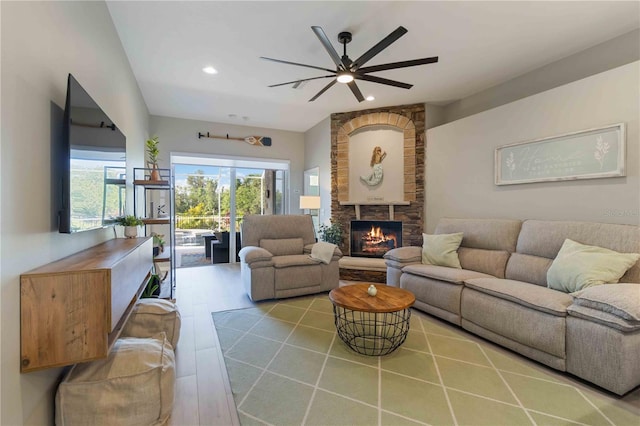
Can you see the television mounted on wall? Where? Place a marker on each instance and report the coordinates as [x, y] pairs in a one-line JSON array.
[[92, 164]]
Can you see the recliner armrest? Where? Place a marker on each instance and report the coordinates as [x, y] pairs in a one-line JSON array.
[[402, 256], [252, 254]]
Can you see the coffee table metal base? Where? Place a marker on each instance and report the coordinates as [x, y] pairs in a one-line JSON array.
[[371, 333]]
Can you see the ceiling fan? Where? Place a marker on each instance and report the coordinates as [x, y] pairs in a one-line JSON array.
[[347, 71]]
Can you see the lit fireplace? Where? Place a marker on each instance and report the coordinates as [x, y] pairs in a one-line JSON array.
[[373, 238]]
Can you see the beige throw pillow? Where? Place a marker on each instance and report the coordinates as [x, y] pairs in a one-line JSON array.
[[441, 249], [579, 266]]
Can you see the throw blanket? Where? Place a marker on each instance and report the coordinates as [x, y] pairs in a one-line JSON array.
[[323, 251]]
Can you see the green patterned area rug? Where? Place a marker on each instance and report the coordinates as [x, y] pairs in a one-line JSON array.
[[287, 366]]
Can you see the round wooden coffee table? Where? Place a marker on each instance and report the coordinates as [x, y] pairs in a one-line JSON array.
[[372, 325]]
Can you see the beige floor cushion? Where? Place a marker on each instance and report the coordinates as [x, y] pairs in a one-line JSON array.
[[152, 316], [134, 385]]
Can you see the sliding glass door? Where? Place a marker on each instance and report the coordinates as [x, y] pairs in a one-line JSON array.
[[211, 200]]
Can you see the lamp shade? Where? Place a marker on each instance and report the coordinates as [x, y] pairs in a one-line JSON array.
[[310, 202]]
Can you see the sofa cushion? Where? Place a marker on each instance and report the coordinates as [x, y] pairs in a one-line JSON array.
[[404, 255], [293, 260], [578, 266], [257, 227], [489, 234], [533, 296], [621, 300], [282, 246], [527, 268], [545, 237], [451, 275], [492, 262], [515, 326], [603, 318], [441, 250]]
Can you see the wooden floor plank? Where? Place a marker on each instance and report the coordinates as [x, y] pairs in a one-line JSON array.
[[203, 326], [212, 395], [186, 350], [203, 393], [185, 408]]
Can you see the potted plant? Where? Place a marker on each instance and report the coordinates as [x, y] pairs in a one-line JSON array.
[[152, 288], [130, 224], [331, 233], [158, 243], [152, 156]]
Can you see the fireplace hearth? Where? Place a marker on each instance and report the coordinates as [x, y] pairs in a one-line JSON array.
[[373, 238]]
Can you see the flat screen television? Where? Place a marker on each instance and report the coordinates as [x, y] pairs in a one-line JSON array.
[[92, 165]]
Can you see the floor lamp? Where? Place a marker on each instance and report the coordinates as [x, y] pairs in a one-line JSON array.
[[308, 203]]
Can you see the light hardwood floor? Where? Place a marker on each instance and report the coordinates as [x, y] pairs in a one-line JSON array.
[[203, 396]]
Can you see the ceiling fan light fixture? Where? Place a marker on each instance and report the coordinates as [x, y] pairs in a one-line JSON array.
[[345, 77], [347, 70]]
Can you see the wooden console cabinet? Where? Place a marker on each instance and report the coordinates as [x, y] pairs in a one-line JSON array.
[[73, 310]]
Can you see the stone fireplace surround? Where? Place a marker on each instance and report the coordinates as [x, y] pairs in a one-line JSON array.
[[410, 119]]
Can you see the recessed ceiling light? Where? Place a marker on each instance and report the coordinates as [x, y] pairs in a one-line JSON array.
[[210, 70], [370, 98]]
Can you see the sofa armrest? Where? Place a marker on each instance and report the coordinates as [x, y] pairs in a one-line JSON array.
[[252, 254], [402, 256], [621, 300]]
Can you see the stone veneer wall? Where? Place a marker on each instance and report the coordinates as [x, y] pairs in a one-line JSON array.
[[411, 120]]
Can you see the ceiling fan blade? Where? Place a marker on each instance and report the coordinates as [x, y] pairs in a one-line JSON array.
[[328, 46], [381, 80], [356, 92], [383, 44], [301, 80], [297, 64], [324, 89], [395, 65]]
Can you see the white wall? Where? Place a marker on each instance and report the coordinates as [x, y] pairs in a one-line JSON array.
[[610, 54], [459, 155], [42, 42], [177, 135], [434, 115], [317, 153]]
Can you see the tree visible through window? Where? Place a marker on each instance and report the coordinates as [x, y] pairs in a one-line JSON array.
[[203, 200]]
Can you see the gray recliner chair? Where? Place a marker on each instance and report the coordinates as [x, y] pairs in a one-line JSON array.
[[275, 258]]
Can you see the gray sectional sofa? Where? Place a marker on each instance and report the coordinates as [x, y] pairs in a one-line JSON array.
[[501, 295]]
